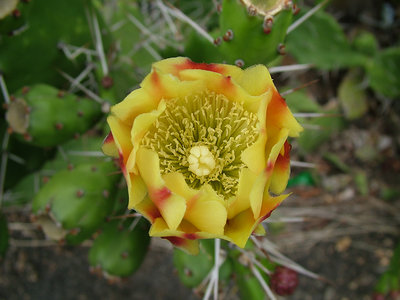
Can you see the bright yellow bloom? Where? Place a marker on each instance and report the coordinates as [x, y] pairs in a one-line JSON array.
[[203, 148]]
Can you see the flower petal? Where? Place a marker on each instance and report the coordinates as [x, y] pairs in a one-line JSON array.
[[148, 209], [109, 147], [279, 116], [240, 228], [137, 190], [256, 80], [224, 85], [140, 126], [121, 136], [136, 103], [199, 208], [177, 64], [241, 202], [166, 86], [171, 206], [281, 172]]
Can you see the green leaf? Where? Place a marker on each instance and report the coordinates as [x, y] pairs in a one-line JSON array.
[[352, 95], [321, 41], [384, 72]]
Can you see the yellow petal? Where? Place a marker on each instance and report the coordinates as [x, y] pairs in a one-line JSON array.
[[177, 64], [281, 172], [136, 103], [240, 228], [166, 86], [137, 190], [254, 156], [257, 194], [241, 202], [269, 204], [109, 147], [121, 135], [207, 211], [260, 230], [148, 209], [279, 116], [140, 126], [224, 85], [256, 80], [171, 206], [177, 184]]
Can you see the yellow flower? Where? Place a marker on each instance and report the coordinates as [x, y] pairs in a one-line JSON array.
[[203, 148]]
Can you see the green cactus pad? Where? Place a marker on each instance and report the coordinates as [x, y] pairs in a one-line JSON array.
[[45, 116], [243, 36], [120, 250], [74, 203], [193, 269]]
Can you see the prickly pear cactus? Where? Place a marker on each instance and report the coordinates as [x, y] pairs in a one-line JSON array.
[[74, 203], [193, 269], [120, 248], [31, 40], [249, 32], [45, 116]]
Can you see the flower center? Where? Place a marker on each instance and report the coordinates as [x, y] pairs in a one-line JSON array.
[[201, 161], [202, 136]]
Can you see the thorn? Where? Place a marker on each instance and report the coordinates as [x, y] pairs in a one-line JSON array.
[[59, 126], [77, 136], [239, 63], [217, 41], [10, 130], [120, 227], [107, 82], [80, 193], [80, 114], [61, 242], [94, 169], [252, 11], [124, 255], [12, 98], [25, 90], [228, 36], [281, 49], [47, 208], [70, 167], [45, 179], [27, 110], [219, 8], [106, 193], [16, 13]]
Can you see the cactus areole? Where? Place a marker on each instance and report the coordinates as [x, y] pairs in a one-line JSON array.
[[267, 8], [203, 148]]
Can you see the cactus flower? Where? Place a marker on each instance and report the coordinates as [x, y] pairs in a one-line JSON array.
[[204, 150]]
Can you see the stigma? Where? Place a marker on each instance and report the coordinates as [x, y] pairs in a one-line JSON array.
[[201, 161]]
